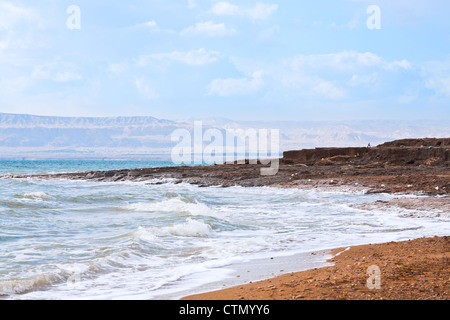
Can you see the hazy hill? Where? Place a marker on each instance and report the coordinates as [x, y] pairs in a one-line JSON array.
[[42, 137]]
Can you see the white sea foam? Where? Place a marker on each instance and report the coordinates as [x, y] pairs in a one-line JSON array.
[[190, 228], [37, 195], [143, 234], [19, 286], [170, 205]]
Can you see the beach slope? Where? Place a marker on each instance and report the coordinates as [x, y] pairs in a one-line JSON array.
[[410, 270]]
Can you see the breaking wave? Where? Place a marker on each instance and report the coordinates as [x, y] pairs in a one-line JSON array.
[[191, 228], [170, 205], [38, 195]]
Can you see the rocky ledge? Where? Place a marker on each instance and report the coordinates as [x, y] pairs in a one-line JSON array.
[[400, 166]]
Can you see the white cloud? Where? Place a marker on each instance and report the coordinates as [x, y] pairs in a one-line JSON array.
[[5, 42], [192, 4], [260, 11], [343, 75], [346, 61], [66, 76], [232, 86], [18, 26], [312, 86], [116, 68], [12, 15], [364, 79], [150, 24], [193, 57], [328, 90], [209, 29], [354, 23], [269, 32], [440, 85], [57, 71], [225, 8], [436, 76], [404, 64], [146, 89]]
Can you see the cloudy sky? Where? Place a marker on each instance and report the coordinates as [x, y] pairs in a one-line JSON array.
[[245, 60]]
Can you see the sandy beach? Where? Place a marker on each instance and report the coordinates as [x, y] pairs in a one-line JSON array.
[[417, 269], [411, 270]]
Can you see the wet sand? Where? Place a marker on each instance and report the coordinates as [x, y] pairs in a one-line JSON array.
[[410, 270]]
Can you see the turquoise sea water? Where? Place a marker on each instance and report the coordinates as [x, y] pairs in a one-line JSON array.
[[58, 166], [63, 239]]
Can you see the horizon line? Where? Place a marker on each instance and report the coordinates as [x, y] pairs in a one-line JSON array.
[[223, 118]]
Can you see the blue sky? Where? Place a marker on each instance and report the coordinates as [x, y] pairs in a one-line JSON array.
[[244, 60]]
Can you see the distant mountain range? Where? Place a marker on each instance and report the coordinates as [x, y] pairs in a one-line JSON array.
[[45, 137]]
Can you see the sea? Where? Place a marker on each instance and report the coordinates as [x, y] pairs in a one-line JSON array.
[[77, 240]]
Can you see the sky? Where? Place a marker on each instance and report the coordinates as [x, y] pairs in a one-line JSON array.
[[243, 60]]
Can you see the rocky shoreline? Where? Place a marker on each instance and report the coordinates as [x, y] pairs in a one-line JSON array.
[[387, 168]]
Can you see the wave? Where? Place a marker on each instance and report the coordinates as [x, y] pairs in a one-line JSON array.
[[20, 286], [91, 198], [191, 228], [38, 195], [170, 205], [62, 274]]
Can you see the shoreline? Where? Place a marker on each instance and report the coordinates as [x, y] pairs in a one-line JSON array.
[[425, 180], [254, 269], [417, 269], [409, 165]]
